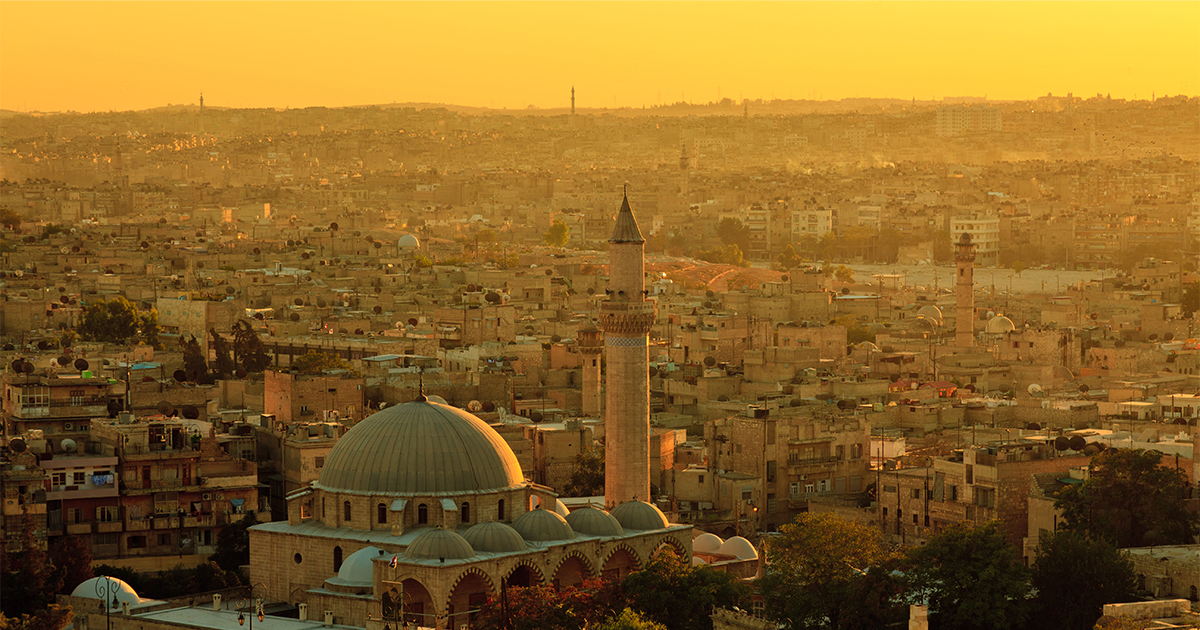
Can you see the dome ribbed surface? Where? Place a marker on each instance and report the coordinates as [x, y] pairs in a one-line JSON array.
[[437, 544], [494, 538], [542, 526], [640, 515], [420, 448], [594, 522]]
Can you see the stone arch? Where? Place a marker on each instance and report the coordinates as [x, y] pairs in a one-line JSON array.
[[337, 559], [470, 590], [572, 570], [419, 607], [527, 567], [675, 545], [620, 562]]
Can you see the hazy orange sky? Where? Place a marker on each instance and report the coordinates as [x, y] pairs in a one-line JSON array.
[[99, 55]]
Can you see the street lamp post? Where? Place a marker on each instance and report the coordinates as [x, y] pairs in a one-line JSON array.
[[250, 603], [393, 609], [106, 588]]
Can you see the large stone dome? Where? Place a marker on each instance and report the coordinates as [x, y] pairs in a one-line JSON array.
[[420, 448]]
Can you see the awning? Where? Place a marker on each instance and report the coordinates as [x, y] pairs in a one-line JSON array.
[[449, 505], [398, 505]]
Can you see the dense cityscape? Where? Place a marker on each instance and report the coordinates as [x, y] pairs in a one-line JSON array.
[[744, 364]]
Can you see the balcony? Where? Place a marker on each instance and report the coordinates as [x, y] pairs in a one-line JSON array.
[[79, 528], [199, 520], [137, 524], [109, 527], [170, 522]]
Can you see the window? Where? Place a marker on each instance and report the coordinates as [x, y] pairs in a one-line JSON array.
[[320, 463], [104, 539], [78, 478], [701, 478], [841, 452], [57, 480], [500, 510], [164, 539], [346, 511], [106, 514], [422, 514], [745, 496], [381, 511], [337, 559], [772, 505], [465, 510], [306, 509], [137, 542], [74, 515], [916, 493]]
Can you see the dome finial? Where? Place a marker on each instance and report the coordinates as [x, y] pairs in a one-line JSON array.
[[421, 388]]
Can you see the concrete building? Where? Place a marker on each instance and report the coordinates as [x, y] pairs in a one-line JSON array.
[[985, 236]]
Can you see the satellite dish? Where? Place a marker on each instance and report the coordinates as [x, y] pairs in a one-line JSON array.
[[1153, 337], [42, 345], [190, 412], [64, 299], [17, 365], [536, 417], [180, 375], [1005, 388], [27, 367], [1076, 443], [1033, 426], [165, 408], [1168, 336], [240, 373], [709, 361], [305, 256], [378, 309], [114, 407], [1061, 443], [846, 404], [295, 317], [489, 406], [1034, 389], [412, 321], [64, 360], [257, 250], [1083, 388], [298, 302], [68, 445], [321, 303], [81, 364], [333, 226], [17, 445], [475, 405], [382, 405]]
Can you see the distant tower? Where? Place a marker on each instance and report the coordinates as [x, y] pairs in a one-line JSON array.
[[590, 343], [626, 317], [964, 253], [572, 100], [202, 103], [684, 160]]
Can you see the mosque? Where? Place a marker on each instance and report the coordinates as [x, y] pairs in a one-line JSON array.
[[424, 505]]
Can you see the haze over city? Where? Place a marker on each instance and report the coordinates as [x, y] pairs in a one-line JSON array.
[[599, 316]]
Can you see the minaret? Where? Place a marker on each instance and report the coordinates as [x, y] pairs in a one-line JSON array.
[[572, 100], [626, 317], [964, 322], [590, 343]]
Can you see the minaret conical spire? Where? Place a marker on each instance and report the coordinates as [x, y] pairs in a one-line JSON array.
[[626, 230]]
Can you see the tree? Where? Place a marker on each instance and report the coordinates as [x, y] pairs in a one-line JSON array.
[[319, 362], [673, 593], [1018, 267], [844, 274], [1075, 576], [629, 620], [9, 218], [148, 329], [543, 607], [733, 232], [727, 255], [824, 571], [29, 578], [194, 363], [223, 365], [53, 617], [114, 320], [971, 577], [248, 349], [557, 235], [587, 480], [72, 558], [233, 544], [1129, 499], [788, 259]]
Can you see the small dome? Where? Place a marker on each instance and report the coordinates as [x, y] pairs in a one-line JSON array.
[[930, 311], [357, 569], [706, 543], [408, 241], [999, 325], [561, 509], [594, 522], [588, 327], [543, 525], [494, 538], [640, 515], [698, 561], [110, 587], [739, 548], [439, 543]]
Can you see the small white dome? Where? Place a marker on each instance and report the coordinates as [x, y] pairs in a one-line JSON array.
[[108, 588], [1000, 325], [697, 561], [739, 548], [706, 543], [357, 570], [408, 241], [561, 508]]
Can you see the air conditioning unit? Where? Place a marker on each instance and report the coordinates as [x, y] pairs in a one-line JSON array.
[[68, 426], [206, 497]]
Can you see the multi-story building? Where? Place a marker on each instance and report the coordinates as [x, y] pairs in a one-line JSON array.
[[960, 120], [294, 397], [814, 222], [985, 236], [59, 404]]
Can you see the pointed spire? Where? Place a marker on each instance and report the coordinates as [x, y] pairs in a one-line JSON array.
[[421, 388], [626, 230]]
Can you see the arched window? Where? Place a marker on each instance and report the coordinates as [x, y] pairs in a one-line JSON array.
[[500, 510], [346, 511], [422, 514], [337, 559], [466, 512], [382, 510]]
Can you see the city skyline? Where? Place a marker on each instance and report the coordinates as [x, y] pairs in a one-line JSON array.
[[132, 56]]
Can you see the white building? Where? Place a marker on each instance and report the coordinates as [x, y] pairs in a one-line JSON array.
[[985, 235]]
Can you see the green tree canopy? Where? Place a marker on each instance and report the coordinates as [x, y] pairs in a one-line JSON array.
[[115, 320], [543, 607], [844, 274], [1129, 499], [29, 579], [788, 259], [587, 480], [672, 592], [194, 363], [557, 235], [1074, 577], [971, 577], [318, 362], [233, 544], [828, 572], [223, 365], [733, 232], [10, 218], [727, 255], [248, 349], [629, 620]]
